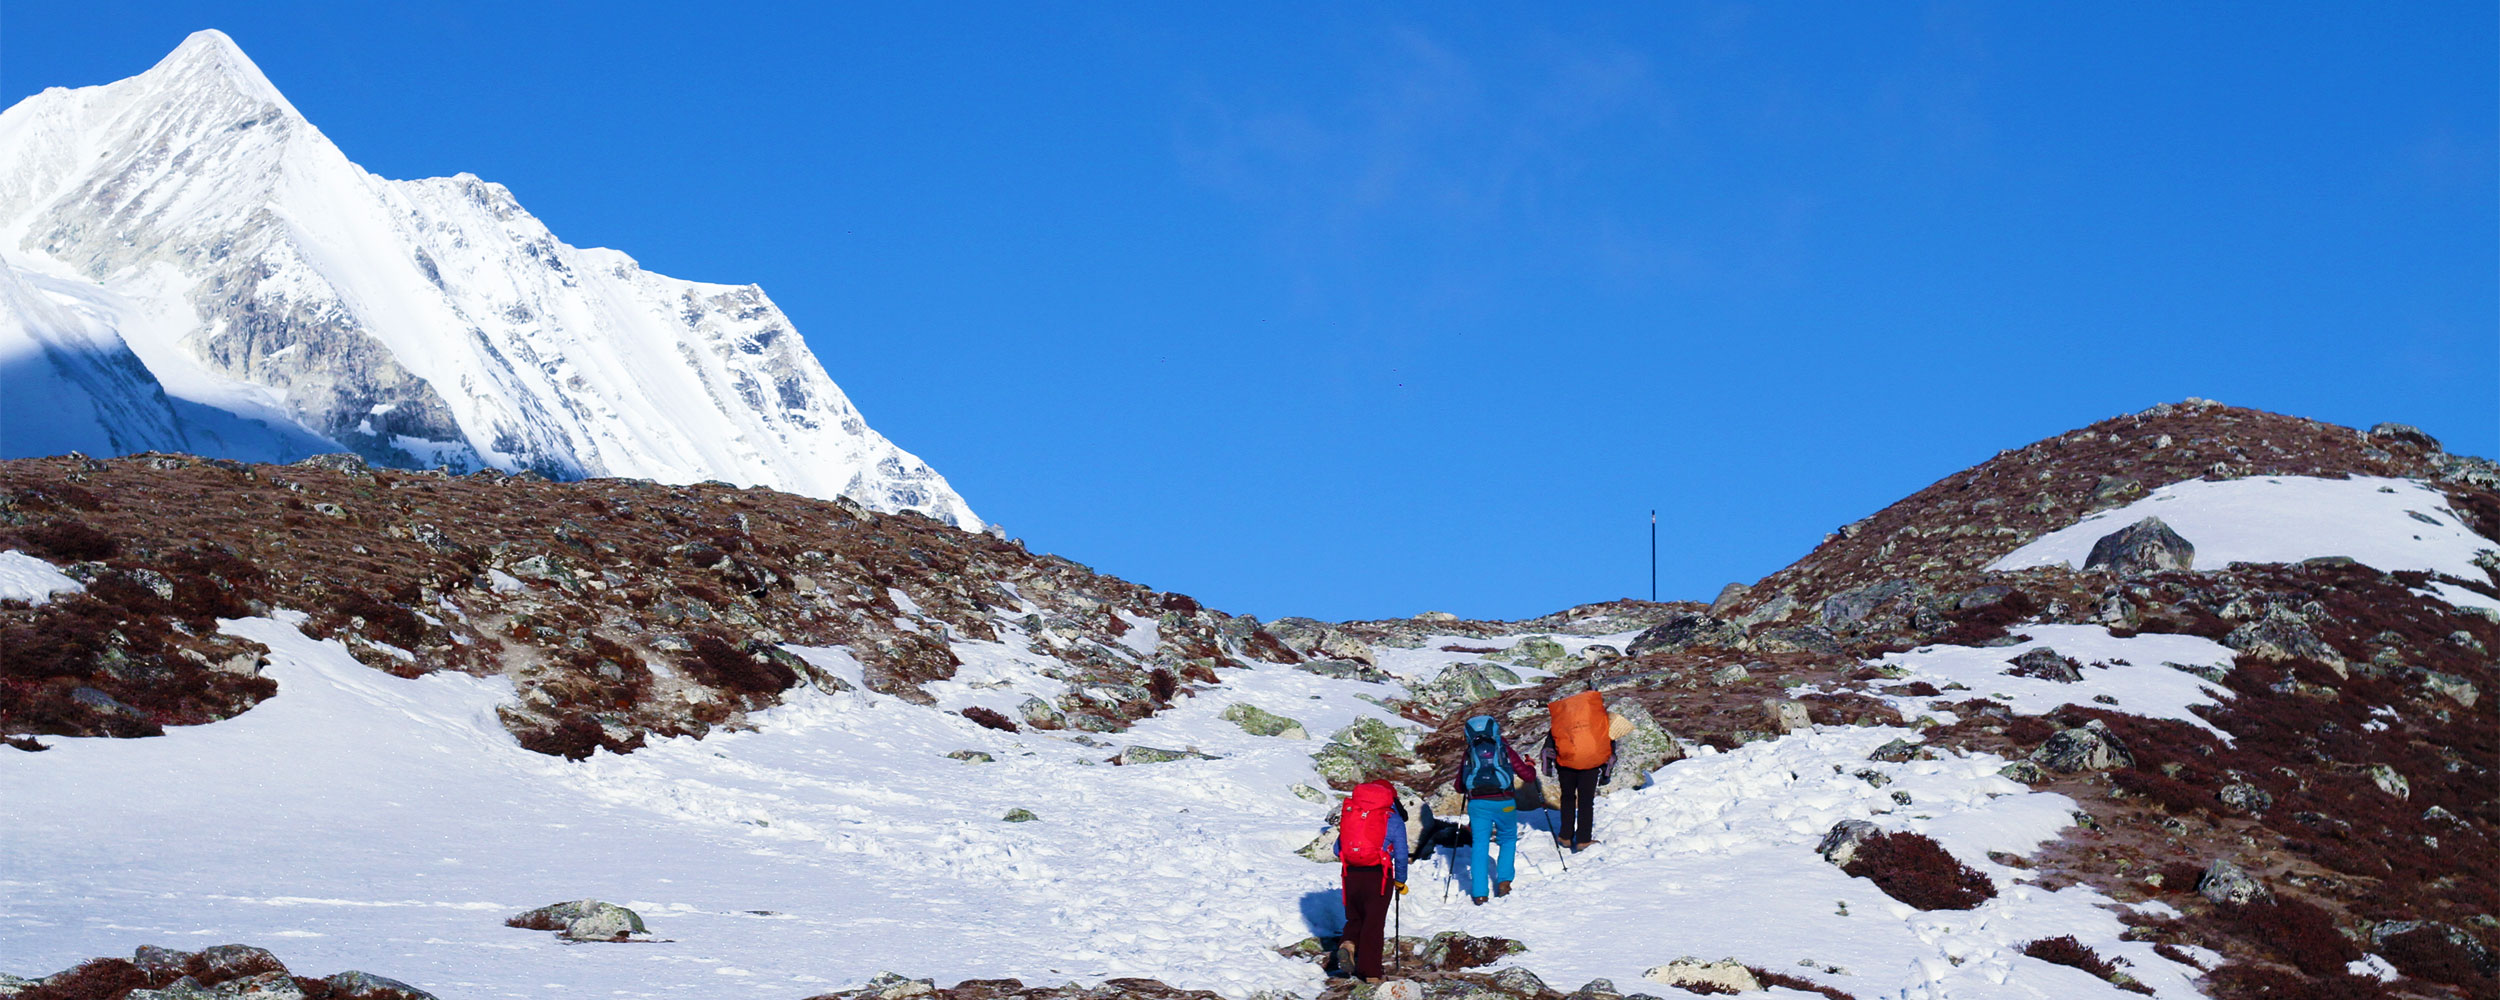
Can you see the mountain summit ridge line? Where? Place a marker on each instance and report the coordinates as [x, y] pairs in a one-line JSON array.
[[188, 227]]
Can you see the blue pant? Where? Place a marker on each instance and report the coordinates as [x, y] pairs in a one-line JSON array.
[[1486, 819]]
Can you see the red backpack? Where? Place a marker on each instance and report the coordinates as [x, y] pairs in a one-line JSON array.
[[1363, 832]]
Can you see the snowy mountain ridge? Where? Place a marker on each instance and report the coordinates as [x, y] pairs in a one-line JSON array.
[[278, 300]]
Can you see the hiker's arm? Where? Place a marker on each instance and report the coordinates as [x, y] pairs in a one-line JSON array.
[[1546, 757], [1397, 847], [1519, 766]]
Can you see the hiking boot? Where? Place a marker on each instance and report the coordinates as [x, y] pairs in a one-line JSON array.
[[1479, 900], [1501, 888]]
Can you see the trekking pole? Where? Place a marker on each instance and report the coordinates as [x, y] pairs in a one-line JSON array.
[[1397, 931], [1558, 851]]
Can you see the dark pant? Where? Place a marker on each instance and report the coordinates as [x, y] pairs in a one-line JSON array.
[[1579, 803], [1367, 896]]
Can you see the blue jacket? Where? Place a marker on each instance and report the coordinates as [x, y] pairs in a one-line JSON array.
[[1394, 841]]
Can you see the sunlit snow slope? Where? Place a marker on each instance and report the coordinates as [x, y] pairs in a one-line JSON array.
[[364, 820], [186, 263]]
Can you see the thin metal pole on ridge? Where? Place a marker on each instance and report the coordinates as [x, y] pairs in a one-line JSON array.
[[1653, 556]]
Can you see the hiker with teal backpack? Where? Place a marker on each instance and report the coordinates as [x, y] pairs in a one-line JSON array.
[[1371, 841], [1486, 777]]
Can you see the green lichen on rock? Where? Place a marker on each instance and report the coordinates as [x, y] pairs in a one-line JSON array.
[[1260, 722], [1357, 750]]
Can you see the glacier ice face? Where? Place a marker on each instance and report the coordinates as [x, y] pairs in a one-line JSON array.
[[265, 280]]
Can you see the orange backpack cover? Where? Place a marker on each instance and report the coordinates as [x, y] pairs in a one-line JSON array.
[[1580, 737]]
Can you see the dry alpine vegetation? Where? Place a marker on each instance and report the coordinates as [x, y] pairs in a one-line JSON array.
[[2355, 807]]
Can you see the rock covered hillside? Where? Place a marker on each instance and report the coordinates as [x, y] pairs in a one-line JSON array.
[[619, 609], [187, 264], [1972, 746]]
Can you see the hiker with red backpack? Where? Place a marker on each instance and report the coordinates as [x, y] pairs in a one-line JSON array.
[[1487, 775], [1580, 750], [1371, 841]]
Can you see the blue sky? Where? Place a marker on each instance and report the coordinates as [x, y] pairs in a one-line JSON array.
[[1362, 312]]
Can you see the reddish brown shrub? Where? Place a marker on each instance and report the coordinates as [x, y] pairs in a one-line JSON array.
[[721, 665], [392, 623], [2425, 953], [1162, 685], [2065, 950], [1478, 650], [2177, 954], [2028, 729], [92, 979], [1918, 871], [1770, 978], [2252, 982], [70, 540], [989, 719], [574, 738], [2296, 930]]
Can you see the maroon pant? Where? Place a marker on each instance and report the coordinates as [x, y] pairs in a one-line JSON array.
[[1367, 896]]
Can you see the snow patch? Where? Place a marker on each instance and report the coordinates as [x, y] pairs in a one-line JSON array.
[[2133, 670], [26, 578], [2386, 524]]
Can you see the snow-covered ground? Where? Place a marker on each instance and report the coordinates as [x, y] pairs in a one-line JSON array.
[[359, 820], [2139, 674], [2386, 524], [26, 578]]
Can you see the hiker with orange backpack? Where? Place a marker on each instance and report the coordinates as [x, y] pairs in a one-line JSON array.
[[1580, 750], [1487, 775], [1371, 841]]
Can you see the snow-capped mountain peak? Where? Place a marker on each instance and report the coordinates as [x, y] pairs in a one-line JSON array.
[[268, 283]]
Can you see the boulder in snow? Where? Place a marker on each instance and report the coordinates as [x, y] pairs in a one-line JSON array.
[[1158, 755], [1019, 814], [1461, 685], [1723, 976], [1536, 652], [1901, 752], [2045, 664], [1840, 843], [1259, 722], [1039, 714], [354, 985], [1644, 747], [582, 920], [1787, 716], [2089, 747], [2143, 547]]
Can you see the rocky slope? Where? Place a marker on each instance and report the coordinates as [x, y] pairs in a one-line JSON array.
[[2327, 805], [277, 299], [2339, 802], [618, 608]]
